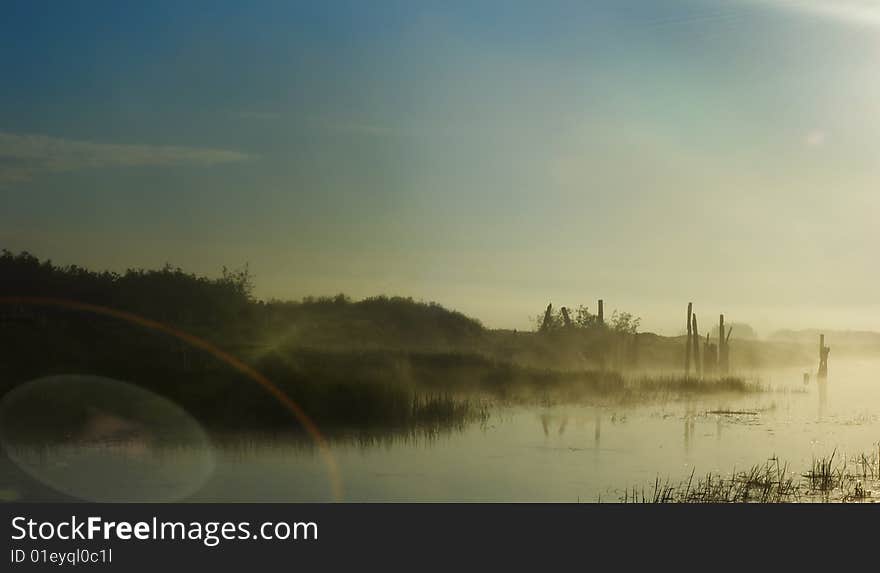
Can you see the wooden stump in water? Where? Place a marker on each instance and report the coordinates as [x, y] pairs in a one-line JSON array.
[[687, 346], [710, 358], [698, 369], [823, 357], [723, 347]]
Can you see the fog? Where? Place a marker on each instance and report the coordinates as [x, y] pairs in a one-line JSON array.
[[336, 226]]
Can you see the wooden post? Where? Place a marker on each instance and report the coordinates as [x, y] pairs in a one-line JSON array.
[[565, 317], [548, 316], [710, 358], [698, 369], [823, 357], [722, 348], [601, 311], [727, 350], [687, 346]]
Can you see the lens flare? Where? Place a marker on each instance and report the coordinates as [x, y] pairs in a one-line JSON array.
[[216, 352]]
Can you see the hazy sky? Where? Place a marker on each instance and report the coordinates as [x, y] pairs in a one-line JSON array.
[[491, 156]]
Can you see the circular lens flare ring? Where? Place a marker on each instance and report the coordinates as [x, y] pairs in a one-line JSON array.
[[218, 353]]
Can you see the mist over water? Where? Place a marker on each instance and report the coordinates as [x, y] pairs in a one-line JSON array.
[[538, 452], [388, 398], [439, 250], [570, 453]]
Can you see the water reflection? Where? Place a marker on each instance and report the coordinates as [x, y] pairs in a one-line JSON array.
[[510, 459], [689, 425], [562, 425], [688, 433], [548, 420], [101, 439], [822, 385]]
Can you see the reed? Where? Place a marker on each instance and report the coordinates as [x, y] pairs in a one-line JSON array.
[[829, 479]]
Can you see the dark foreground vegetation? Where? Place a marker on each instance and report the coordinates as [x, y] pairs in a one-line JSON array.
[[383, 363]]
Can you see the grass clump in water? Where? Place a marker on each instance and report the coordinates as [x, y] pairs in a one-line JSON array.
[[693, 385], [829, 479], [766, 483]]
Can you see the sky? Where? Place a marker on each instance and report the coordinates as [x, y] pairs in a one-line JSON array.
[[490, 156]]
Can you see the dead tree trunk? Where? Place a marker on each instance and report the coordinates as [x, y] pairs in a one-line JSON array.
[[687, 346], [727, 350], [710, 358], [698, 369], [601, 311], [823, 357], [723, 365], [548, 318], [565, 317]]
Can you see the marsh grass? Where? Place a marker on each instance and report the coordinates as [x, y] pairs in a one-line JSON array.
[[829, 479], [824, 476], [770, 482], [342, 391], [617, 390], [692, 385], [430, 418], [375, 392]]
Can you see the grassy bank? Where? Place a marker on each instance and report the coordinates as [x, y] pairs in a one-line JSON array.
[[382, 364], [371, 391]]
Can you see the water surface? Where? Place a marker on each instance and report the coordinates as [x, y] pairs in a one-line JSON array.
[[562, 453]]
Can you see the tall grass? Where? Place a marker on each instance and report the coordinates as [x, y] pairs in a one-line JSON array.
[[830, 478]]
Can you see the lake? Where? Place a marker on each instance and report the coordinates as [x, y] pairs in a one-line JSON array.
[[564, 453]]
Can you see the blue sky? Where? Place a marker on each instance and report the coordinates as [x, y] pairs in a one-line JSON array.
[[491, 156]]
